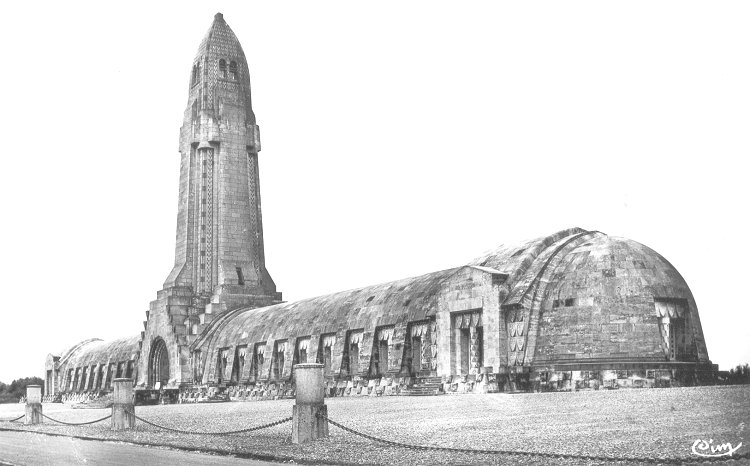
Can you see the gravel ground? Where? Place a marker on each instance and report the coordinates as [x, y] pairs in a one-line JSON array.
[[635, 423]]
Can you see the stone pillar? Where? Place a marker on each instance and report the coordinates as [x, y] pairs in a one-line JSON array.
[[306, 425], [33, 404], [123, 408]]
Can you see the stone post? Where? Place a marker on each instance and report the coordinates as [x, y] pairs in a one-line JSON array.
[[123, 408], [309, 404], [33, 404]]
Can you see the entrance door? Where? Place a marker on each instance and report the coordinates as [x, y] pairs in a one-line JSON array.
[[416, 355], [465, 345], [382, 357], [158, 368]]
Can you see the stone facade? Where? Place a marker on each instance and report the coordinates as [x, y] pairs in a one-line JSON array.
[[575, 309]]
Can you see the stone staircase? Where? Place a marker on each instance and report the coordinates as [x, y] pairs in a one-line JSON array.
[[424, 386]]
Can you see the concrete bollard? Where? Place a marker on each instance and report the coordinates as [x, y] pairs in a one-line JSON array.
[[123, 408], [33, 404], [309, 404]]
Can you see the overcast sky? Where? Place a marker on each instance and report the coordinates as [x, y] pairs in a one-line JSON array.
[[399, 138]]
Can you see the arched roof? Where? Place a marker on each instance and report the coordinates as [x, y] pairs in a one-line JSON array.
[[407, 300], [94, 351], [595, 298], [410, 299]]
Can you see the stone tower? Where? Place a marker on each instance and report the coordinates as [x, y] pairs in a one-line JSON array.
[[219, 260]]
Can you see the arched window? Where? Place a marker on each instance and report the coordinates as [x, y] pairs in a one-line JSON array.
[[233, 69], [196, 74], [223, 68]]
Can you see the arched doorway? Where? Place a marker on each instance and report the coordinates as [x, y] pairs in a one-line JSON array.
[[158, 364]]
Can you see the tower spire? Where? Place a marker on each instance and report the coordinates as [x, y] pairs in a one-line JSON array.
[[219, 251], [219, 260]]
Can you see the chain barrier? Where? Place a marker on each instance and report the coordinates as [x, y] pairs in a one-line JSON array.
[[657, 460], [240, 431], [77, 423], [13, 420]]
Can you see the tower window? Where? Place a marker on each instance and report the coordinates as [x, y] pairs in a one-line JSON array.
[[196, 74], [223, 68], [233, 69], [240, 277]]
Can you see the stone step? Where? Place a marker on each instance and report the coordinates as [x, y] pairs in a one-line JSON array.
[[422, 388], [409, 392]]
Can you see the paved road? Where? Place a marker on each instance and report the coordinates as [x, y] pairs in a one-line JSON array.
[[22, 448]]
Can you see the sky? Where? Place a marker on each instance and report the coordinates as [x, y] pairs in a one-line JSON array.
[[398, 138]]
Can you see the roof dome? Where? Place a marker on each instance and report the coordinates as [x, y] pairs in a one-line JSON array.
[[602, 300]]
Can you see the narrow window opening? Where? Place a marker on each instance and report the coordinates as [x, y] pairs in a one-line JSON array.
[[278, 362], [92, 374], [325, 352], [259, 359], [354, 359], [221, 364], [300, 356], [370, 299], [110, 376], [382, 357], [570, 302], [240, 277], [238, 367], [465, 345], [233, 69], [196, 366], [100, 382], [223, 68], [327, 361]]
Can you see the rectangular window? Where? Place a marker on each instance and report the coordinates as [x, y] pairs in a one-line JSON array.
[[221, 364], [111, 374], [197, 366], [325, 352], [259, 359], [672, 314], [92, 375], [77, 382], [351, 350], [381, 345], [327, 361], [278, 361], [465, 345], [300, 356], [417, 332], [466, 341], [239, 363], [100, 381], [240, 277]]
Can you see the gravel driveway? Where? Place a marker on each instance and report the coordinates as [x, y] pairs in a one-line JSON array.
[[635, 423]]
